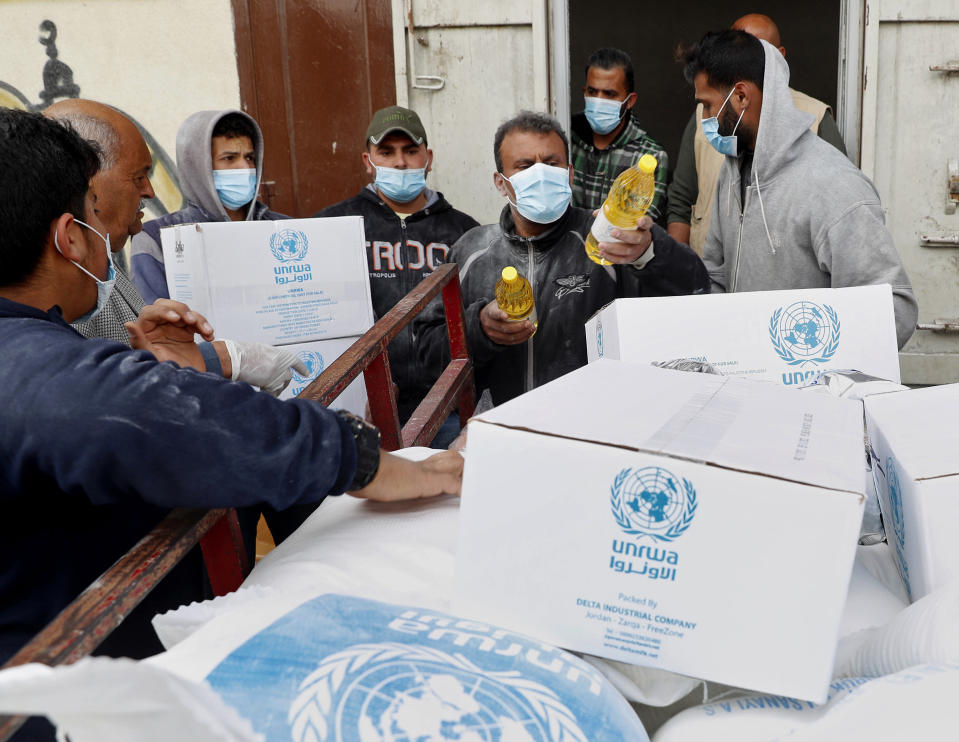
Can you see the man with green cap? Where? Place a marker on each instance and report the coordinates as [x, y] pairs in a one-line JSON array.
[[409, 231]]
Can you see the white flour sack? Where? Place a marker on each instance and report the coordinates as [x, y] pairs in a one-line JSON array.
[[925, 632]]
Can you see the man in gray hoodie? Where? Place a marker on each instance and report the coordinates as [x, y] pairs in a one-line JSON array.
[[219, 157], [790, 210]]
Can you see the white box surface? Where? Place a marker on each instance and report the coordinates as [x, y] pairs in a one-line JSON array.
[[273, 282], [317, 356], [700, 524], [781, 336], [915, 438]]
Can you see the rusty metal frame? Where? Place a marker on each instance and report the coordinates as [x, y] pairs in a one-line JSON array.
[[455, 388], [89, 619]]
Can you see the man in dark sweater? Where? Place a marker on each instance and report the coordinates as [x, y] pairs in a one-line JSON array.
[[409, 231], [99, 440]]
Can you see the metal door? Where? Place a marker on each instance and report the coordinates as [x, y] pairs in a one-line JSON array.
[[311, 73], [910, 148]]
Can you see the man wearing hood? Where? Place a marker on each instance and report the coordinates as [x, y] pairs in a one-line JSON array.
[[219, 157], [543, 237], [409, 230], [790, 210]]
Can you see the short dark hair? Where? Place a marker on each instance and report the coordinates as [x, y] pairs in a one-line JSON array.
[[727, 57], [46, 172], [533, 122], [609, 58], [235, 125]]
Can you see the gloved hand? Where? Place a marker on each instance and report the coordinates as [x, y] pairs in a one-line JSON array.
[[263, 365]]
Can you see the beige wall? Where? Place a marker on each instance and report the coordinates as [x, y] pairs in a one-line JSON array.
[[157, 60]]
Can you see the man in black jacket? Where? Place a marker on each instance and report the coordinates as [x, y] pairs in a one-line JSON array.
[[409, 231], [544, 238]]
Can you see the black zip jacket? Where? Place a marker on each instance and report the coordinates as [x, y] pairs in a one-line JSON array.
[[400, 254], [568, 288]]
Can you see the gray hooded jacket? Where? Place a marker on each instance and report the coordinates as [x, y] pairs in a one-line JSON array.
[[811, 219], [201, 203]]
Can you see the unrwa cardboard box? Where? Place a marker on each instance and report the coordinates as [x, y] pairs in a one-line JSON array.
[[317, 356], [696, 523], [277, 282], [781, 336], [915, 439]]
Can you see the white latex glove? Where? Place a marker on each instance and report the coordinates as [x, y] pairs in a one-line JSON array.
[[263, 365]]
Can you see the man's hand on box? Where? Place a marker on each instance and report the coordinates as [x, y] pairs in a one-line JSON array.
[[498, 327], [633, 245], [264, 366], [166, 329], [401, 479]]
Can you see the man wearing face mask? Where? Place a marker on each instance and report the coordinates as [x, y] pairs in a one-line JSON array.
[[409, 231], [697, 166], [219, 156], [543, 237], [606, 138], [790, 211]]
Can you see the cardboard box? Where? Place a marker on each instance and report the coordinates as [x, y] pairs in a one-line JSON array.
[[277, 283], [915, 438], [701, 524], [317, 356], [782, 336]]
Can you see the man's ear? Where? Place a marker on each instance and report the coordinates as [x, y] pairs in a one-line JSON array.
[[570, 168], [499, 184], [631, 100], [429, 160], [368, 165], [65, 234]]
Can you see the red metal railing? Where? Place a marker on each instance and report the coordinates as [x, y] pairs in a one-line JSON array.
[[88, 620]]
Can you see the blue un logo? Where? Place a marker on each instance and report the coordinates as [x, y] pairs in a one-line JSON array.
[[652, 501], [895, 501], [314, 365], [288, 245], [804, 332]]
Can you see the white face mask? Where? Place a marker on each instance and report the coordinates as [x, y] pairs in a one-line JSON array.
[[104, 286]]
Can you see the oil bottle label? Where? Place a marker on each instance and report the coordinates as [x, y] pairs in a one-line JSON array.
[[602, 228]]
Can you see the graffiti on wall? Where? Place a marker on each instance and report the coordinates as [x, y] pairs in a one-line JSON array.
[[58, 82]]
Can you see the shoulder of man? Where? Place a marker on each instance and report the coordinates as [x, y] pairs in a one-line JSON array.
[[187, 215], [359, 205]]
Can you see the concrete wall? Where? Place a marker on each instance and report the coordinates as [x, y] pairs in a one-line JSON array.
[[156, 60]]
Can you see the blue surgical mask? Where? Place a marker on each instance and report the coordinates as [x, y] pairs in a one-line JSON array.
[[104, 287], [235, 187], [542, 192], [603, 115], [723, 145], [398, 185]]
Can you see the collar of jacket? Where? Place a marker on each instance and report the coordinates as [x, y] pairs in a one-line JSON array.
[[13, 309], [581, 130], [542, 241], [435, 204]]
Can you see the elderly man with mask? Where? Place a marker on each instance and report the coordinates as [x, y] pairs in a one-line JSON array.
[[542, 235]]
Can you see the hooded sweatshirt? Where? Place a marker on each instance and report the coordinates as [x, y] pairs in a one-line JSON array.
[[809, 217], [194, 161]]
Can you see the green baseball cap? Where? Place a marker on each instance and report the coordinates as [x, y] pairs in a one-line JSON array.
[[395, 118]]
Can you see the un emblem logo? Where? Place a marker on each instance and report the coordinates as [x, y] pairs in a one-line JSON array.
[[314, 365], [288, 245], [395, 692], [895, 500], [652, 502], [804, 332]]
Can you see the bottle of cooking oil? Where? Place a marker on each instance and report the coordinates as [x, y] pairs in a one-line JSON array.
[[628, 199], [514, 296]]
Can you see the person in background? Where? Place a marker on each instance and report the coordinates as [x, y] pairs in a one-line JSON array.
[[697, 167], [606, 138], [219, 157]]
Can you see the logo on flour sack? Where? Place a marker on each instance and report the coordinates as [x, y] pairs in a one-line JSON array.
[[289, 245], [804, 332], [314, 365], [654, 502], [895, 500], [390, 692]]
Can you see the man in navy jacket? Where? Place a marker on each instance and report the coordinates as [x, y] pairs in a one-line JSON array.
[[99, 440]]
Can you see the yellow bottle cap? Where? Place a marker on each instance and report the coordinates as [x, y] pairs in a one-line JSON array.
[[647, 163], [509, 273]]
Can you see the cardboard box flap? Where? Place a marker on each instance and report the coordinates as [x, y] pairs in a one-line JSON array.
[[919, 425], [734, 423]]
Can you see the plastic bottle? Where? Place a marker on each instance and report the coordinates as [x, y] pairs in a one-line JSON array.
[[514, 296], [628, 199]]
